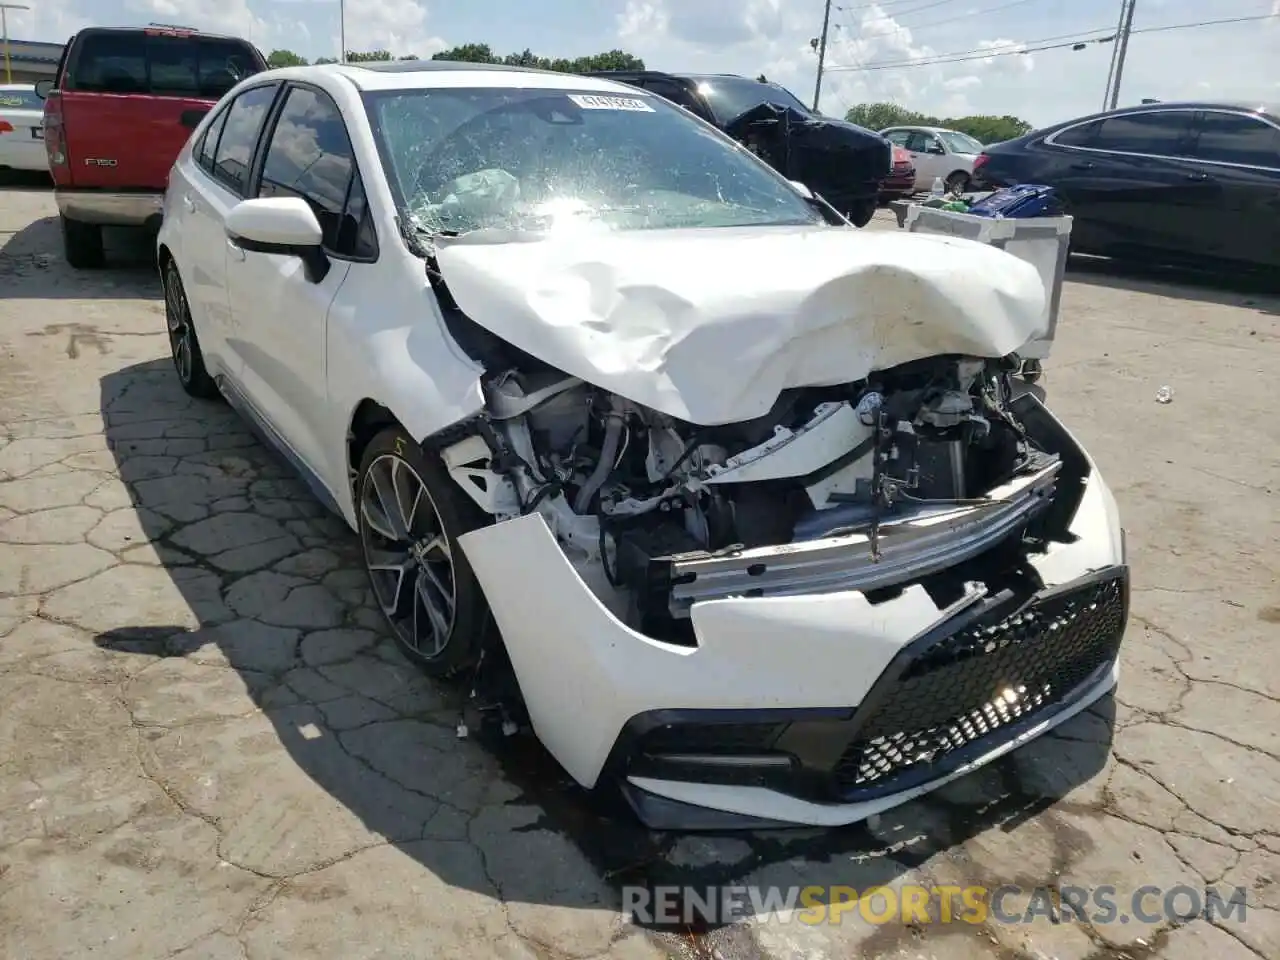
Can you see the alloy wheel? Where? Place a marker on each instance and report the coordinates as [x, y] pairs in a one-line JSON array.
[[407, 554], [178, 316]]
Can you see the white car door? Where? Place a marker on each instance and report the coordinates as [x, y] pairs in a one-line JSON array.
[[279, 302], [927, 155], [210, 182]]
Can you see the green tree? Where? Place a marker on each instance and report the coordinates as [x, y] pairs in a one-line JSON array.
[[469, 53], [371, 56], [483, 53], [285, 58], [982, 127]]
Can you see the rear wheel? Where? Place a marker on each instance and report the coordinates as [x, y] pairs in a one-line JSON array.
[[410, 515], [862, 211], [188, 361], [82, 244]]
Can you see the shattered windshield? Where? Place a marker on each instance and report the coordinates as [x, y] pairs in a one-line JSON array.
[[731, 97], [530, 160]]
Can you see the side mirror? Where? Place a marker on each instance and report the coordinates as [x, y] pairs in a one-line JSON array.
[[44, 88], [280, 225], [937, 148]]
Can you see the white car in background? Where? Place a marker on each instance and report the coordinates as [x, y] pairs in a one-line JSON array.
[[22, 128], [745, 494], [938, 153]]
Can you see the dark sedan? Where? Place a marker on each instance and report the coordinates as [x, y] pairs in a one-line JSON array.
[[1175, 182]]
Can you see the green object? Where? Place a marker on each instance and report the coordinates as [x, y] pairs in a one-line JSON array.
[[957, 206]]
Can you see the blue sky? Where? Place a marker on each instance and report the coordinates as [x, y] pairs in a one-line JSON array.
[[1236, 61]]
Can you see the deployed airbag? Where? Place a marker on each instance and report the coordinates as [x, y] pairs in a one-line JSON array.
[[710, 325]]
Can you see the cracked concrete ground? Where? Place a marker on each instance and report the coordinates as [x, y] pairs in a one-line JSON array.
[[210, 749]]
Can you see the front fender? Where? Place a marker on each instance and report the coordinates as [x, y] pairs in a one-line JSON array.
[[387, 342]]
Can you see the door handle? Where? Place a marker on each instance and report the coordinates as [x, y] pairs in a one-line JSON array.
[[235, 249], [1086, 165], [189, 204], [1199, 177]]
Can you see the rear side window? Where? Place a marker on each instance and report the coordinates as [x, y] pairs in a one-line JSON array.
[[20, 99], [1231, 138], [310, 156], [208, 147], [1161, 134], [160, 64], [240, 134], [1081, 136]]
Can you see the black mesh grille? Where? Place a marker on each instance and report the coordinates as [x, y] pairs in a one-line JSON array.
[[977, 681]]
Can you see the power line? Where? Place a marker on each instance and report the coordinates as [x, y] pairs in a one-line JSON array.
[[966, 16], [894, 3], [983, 54]]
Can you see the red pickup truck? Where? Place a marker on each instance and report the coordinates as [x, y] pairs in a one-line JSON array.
[[121, 107]]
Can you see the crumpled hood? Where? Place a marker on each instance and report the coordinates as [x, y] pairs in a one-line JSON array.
[[710, 325]]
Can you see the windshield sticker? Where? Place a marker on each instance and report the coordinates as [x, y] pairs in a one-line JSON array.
[[593, 102]]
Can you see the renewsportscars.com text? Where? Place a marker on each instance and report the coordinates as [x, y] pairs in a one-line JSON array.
[[973, 904]]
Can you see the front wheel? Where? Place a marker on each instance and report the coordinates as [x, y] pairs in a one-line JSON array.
[[862, 211], [410, 515], [958, 182]]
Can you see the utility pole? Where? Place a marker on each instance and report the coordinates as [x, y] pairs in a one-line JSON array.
[[342, 31], [4, 29], [1122, 48], [822, 55]]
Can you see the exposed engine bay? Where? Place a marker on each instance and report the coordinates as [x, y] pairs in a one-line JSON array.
[[846, 487]]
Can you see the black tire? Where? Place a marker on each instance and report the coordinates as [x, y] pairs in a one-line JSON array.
[[393, 464], [184, 346], [862, 211], [82, 244], [957, 182], [1031, 371]]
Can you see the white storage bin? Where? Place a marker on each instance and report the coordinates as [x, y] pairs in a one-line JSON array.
[[1041, 241]]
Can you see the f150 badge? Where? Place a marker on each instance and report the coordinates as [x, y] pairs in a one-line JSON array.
[[92, 162]]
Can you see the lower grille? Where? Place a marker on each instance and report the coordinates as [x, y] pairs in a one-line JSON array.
[[979, 680]]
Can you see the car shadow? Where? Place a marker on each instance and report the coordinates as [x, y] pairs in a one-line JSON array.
[[276, 592], [32, 265], [1255, 291]]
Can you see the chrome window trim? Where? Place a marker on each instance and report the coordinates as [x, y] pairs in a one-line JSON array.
[[1052, 141]]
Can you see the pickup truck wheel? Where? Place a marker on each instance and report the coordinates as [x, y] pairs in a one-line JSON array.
[[862, 211], [82, 244], [410, 514], [188, 361]]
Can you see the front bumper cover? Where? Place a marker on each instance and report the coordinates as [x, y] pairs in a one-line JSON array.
[[832, 668]]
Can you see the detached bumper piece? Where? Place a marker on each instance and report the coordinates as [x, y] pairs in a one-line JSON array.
[[993, 671]]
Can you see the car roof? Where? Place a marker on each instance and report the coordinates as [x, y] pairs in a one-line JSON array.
[[426, 74], [1245, 106], [161, 28]]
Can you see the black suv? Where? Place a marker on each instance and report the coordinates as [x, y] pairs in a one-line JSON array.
[[841, 161]]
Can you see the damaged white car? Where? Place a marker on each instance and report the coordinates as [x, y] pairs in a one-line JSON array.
[[748, 497]]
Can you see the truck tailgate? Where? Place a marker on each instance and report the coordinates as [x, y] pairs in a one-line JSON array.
[[125, 141]]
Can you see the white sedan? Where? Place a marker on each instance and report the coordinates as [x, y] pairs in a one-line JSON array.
[[938, 154], [745, 494], [21, 128]]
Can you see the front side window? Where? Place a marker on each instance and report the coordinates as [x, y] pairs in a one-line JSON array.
[[1232, 138], [239, 136], [1160, 134], [462, 160], [310, 157]]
